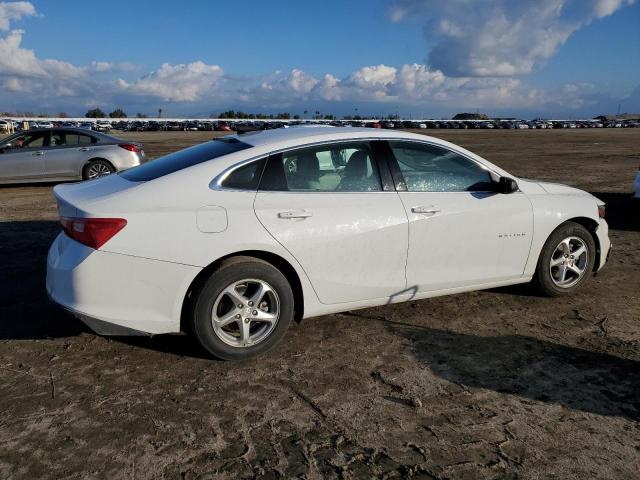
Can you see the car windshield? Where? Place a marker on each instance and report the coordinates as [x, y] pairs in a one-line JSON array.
[[184, 159]]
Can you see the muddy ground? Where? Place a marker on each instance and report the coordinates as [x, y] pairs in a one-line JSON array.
[[495, 384]]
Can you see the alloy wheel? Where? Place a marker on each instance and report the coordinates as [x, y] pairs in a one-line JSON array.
[[98, 170], [569, 262], [245, 312]]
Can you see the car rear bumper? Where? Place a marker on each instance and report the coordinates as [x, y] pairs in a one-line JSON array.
[[117, 294]]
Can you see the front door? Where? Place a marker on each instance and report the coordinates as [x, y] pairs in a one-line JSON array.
[[326, 206], [461, 232], [24, 158]]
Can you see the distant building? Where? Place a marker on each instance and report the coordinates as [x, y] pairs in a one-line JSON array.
[[622, 116], [470, 116]]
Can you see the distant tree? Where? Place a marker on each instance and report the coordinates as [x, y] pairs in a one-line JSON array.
[[141, 115], [63, 115], [296, 117], [94, 113], [470, 116], [118, 113]]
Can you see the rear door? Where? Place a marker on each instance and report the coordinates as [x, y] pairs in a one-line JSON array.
[[67, 153], [331, 208], [24, 159]]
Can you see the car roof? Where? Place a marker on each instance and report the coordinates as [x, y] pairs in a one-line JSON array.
[[82, 131], [287, 137]]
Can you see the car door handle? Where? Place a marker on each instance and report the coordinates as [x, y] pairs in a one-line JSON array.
[[431, 210], [85, 149], [295, 214], [38, 154]]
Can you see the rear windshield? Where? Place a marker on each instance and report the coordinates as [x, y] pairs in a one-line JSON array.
[[183, 159]]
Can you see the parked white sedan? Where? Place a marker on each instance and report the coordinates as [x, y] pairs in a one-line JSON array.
[[232, 239]]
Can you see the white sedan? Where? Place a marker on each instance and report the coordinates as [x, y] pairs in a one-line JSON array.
[[232, 239]]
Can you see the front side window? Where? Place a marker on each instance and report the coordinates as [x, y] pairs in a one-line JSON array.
[[183, 159], [340, 167], [28, 140], [429, 168]]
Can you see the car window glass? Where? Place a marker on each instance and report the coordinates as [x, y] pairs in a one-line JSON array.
[[246, 177], [428, 168], [184, 159], [77, 139], [341, 167], [29, 140], [57, 139]]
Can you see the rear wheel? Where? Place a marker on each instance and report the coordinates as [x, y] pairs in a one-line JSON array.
[[97, 169], [566, 260], [242, 310]]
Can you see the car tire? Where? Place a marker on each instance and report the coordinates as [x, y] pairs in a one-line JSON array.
[[97, 169], [562, 268], [226, 296]]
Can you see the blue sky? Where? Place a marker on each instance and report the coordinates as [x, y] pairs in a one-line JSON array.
[[415, 57]]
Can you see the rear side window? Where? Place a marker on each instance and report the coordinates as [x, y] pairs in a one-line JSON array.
[[246, 177], [337, 167], [183, 159], [59, 139]]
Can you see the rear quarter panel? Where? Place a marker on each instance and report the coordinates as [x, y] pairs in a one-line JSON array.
[[183, 220]]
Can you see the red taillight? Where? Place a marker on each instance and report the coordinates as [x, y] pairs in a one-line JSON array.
[[92, 232], [132, 147], [601, 211]]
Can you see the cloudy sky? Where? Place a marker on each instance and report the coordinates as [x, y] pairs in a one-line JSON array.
[[424, 58]]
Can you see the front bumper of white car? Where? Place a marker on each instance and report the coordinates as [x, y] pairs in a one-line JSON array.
[[602, 232], [117, 294]]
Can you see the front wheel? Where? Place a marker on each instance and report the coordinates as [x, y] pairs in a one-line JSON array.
[[242, 310], [566, 260]]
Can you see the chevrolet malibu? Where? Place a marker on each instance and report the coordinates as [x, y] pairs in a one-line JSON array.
[[233, 239]]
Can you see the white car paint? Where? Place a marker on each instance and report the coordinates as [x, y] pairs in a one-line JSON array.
[[357, 250]]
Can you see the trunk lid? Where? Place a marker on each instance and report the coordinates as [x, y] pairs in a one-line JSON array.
[[77, 199]]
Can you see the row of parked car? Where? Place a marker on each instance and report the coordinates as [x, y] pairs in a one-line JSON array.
[[251, 125]]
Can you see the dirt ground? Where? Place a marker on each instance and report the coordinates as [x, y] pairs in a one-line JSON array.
[[494, 384]]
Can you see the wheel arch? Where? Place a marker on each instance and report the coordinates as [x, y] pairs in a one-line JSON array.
[[271, 258], [86, 163], [591, 225]]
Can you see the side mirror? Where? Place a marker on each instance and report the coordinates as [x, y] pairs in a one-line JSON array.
[[506, 185]]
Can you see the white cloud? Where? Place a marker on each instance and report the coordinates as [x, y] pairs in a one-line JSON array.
[[499, 37], [18, 61], [375, 77], [302, 82], [176, 83], [10, 11]]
